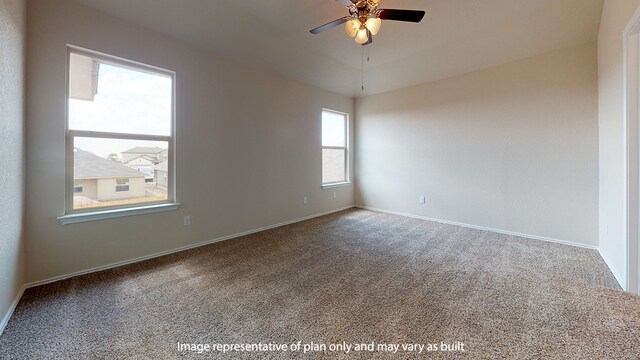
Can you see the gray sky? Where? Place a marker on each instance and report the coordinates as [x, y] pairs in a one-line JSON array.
[[333, 133], [127, 101]]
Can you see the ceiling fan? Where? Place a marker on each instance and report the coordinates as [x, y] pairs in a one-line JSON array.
[[365, 19]]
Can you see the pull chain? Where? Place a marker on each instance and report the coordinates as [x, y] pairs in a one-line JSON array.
[[362, 66], [362, 70]]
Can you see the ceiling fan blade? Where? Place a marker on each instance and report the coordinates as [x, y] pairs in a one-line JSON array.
[[346, 3], [328, 26], [402, 15]]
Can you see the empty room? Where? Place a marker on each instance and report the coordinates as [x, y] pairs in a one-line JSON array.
[[447, 179]]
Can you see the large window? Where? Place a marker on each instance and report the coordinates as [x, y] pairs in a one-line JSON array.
[[120, 144], [335, 163]]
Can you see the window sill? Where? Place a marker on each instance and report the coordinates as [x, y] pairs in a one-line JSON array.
[[115, 213], [329, 186]]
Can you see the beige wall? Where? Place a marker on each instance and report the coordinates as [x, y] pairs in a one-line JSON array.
[[248, 145], [12, 46], [615, 16], [89, 188], [513, 148], [107, 189]]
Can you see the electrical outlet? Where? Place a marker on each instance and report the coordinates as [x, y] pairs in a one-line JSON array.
[[335, 195], [187, 220], [305, 201], [423, 199]]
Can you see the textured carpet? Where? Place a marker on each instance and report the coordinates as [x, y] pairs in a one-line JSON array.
[[357, 277]]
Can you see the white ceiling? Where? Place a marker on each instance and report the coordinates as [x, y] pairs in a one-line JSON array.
[[455, 37]]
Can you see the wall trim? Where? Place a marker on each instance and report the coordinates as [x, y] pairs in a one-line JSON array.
[[12, 308], [175, 250], [470, 226], [607, 261], [631, 106]]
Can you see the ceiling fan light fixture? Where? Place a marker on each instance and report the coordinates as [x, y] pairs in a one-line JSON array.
[[374, 24], [362, 36], [352, 27], [365, 19]]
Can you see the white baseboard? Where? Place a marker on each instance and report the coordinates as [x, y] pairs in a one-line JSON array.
[[12, 308], [527, 236], [183, 248], [621, 281]]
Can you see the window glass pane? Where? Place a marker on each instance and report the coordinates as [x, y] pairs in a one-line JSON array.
[[333, 166], [115, 172], [333, 129], [111, 98]]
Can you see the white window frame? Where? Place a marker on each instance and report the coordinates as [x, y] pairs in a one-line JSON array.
[[88, 214], [346, 180]]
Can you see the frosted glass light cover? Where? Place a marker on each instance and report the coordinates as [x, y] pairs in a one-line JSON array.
[[352, 27], [361, 36], [373, 24]]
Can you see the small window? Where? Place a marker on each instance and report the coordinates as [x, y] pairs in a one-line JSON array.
[[77, 187], [335, 157], [122, 185], [120, 122]]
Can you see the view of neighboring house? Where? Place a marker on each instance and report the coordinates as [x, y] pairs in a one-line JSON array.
[[101, 179], [144, 159], [160, 174]]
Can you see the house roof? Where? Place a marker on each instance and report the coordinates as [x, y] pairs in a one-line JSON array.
[[151, 159], [162, 166], [90, 166], [143, 150]]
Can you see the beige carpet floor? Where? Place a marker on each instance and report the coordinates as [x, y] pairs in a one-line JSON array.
[[357, 277]]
